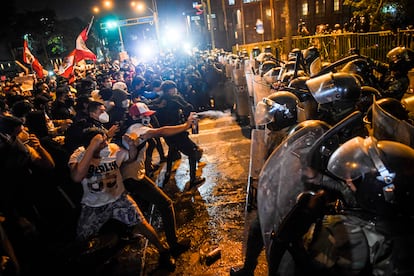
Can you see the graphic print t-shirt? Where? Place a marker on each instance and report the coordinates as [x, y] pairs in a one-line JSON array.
[[103, 183]]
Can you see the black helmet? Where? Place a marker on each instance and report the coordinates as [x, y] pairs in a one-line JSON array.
[[312, 60], [381, 173], [278, 110], [360, 67], [266, 66], [333, 87], [400, 59]]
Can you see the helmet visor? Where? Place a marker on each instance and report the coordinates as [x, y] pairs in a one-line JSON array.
[[323, 88], [351, 160], [264, 113]]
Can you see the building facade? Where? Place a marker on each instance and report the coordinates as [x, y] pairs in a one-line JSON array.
[[238, 22]]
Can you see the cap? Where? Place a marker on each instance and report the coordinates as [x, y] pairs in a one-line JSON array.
[[8, 123], [120, 85], [167, 85], [140, 109]]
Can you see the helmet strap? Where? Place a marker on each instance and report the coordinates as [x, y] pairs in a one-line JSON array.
[[385, 175]]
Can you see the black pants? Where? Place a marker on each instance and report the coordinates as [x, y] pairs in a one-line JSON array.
[[147, 190], [182, 143]]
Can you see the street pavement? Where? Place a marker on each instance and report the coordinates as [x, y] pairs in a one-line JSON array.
[[213, 215]]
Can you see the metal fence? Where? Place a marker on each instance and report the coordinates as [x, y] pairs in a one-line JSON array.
[[335, 46]]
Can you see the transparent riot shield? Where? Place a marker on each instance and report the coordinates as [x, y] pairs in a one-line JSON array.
[[385, 126], [280, 180]]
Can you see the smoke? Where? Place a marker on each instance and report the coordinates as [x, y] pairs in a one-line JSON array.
[[212, 114]]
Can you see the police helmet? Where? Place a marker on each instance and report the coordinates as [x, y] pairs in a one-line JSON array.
[[333, 87], [400, 59], [278, 110], [312, 60], [379, 172], [266, 66]]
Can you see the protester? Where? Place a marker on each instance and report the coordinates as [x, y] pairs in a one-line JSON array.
[[97, 118], [96, 166], [174, 111], [140, 185]]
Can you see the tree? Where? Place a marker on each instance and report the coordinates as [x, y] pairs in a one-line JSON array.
[[384, 14]]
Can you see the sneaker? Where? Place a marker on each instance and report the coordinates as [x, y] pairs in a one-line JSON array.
[[198, 180], [241, 272], [166, 261], [180, 247]]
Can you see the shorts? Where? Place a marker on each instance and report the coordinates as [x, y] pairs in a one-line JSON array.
[[91, 219]]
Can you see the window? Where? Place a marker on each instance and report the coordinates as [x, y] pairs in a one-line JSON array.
[[239, 19], [232, 2], [320, 7], [305, 8], [336, 5]]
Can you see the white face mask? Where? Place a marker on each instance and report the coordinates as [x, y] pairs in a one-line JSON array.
[[125, 103], [145, 121], [104, 117]]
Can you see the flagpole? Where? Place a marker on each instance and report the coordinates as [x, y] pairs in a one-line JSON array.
[[90, 25]]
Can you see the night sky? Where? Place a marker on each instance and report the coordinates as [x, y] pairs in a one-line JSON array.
[[66, 9]]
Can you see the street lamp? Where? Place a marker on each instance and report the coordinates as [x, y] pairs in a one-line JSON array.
[[139, 6]]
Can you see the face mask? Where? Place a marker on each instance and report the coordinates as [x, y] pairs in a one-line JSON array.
[[69, 102], [104, 118], [146, 121], [125, 103]]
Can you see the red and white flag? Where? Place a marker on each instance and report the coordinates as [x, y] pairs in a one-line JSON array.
[[82, 52], [67, 67], [30, 59]]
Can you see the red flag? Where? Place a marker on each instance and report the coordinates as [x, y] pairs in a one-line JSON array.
[[82, 52], [67, 67], [30, 59]]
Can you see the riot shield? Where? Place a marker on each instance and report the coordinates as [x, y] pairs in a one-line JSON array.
[[280, 178], [385, 126]]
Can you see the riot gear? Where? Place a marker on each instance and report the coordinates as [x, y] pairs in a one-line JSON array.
[[381, 172], [363, 68], [389, 120], [278, 111], [266, 66], [312, 60], [400, 59], [334, 87]]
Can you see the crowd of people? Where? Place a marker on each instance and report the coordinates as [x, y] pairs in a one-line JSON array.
[[95, 139], [357, 24]]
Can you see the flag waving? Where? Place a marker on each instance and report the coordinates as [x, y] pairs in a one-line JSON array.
[[30, 59], [82, 52], [67, 67]]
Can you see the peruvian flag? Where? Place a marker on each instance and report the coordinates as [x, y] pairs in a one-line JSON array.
[[67, 67], [30, 59], [82, 52]]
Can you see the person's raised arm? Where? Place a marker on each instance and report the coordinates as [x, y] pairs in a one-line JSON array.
[[170, 130], [79, 170]]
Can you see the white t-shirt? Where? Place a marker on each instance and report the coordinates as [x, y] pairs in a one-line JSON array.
[[103, 183], [135, 169]]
